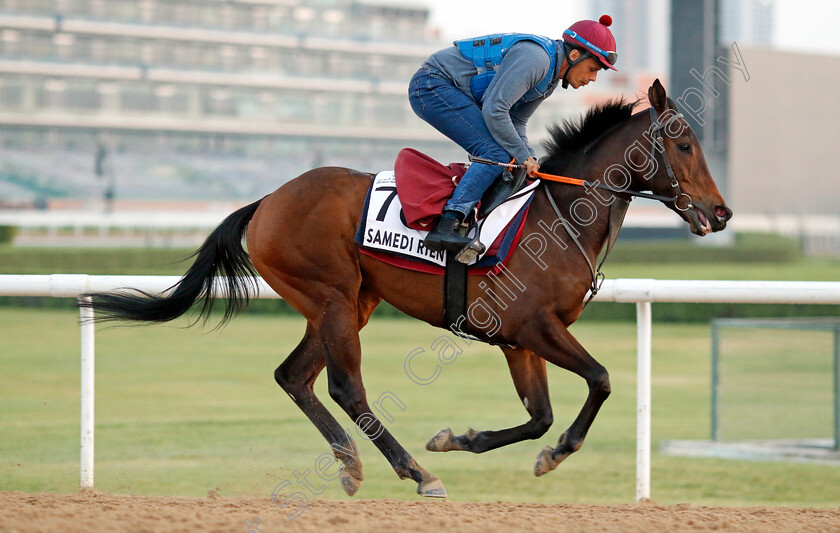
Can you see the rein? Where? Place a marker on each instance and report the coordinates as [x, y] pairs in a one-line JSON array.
[[618, 208], [658, 144], [598, 185], [574, 181]]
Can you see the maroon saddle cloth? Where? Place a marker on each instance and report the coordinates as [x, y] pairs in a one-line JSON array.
[[424, 186]]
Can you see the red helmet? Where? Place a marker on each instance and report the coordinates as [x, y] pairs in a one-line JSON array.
[[596, 38]]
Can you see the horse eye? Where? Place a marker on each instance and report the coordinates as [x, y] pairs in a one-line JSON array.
[[684, 147]]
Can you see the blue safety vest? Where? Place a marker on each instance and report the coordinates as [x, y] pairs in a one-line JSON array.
[[487, 52]]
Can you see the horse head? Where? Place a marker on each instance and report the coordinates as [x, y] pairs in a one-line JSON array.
[[685, 174]]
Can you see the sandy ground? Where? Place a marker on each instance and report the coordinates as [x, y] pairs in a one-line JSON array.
[[92, 511]]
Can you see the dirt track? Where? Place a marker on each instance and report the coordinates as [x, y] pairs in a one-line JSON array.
[[93, 512]]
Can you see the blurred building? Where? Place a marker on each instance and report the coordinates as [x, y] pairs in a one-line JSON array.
[[747, 22], [699, 81], [784, 136], [641, 32], [202, 98], [224, 99], [768, 142]]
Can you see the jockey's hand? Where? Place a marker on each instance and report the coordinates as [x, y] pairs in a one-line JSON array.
[[531, 165]]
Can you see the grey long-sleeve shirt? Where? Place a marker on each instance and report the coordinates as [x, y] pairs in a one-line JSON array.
[[504, 111]]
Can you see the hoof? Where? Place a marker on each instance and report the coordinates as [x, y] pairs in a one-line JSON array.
[[441, 442], [349, 483], [350, 476], [549, 457], [547, 461], [433, 488]]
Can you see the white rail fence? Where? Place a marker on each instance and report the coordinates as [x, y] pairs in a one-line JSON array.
[[642, 292], [75, 228]]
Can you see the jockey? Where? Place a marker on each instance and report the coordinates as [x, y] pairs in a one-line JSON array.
[[481, 92]]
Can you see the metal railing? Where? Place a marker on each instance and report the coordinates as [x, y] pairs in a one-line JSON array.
[[829, 325]]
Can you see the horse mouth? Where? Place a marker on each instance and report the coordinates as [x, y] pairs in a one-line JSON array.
[[702, 223], [703, 226]]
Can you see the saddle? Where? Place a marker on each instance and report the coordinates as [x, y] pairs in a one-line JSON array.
[[425, 185]]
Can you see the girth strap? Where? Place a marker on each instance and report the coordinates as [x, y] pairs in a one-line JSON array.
[[454, 293], [455, 301]]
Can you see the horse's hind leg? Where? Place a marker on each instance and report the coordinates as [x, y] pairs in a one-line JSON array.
[[340, 334], [296, 376], [529, 377]]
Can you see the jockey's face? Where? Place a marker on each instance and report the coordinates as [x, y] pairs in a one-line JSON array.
[[584, 72]]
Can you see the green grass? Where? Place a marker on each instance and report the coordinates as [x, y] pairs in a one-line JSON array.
[[114, 261], [803, 269], [795, 364], [745, 248], [184, 411]]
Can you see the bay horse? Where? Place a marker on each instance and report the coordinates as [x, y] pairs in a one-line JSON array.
[[301, 241]]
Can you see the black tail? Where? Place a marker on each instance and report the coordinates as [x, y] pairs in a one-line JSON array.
[[221, 254]]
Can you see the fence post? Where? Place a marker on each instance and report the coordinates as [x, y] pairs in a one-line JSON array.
[[715, 427], [87, 334], [837, 388], [643, 378]]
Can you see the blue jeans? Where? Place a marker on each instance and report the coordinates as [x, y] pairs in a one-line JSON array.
[[437, 101]]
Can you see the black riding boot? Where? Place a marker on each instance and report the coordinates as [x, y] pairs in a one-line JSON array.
[[446, 236]]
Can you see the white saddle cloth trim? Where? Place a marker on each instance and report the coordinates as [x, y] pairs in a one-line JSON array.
[[385, 230]]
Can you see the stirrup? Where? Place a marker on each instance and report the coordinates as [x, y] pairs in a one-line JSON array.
[[470, 252]]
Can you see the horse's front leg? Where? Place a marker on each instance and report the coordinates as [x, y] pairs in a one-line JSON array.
[[550, 338], [529, 377]]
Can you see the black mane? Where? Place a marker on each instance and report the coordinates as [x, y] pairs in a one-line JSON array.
[[569, 138]]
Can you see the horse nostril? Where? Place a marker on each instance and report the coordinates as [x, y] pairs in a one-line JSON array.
[[723, 213]]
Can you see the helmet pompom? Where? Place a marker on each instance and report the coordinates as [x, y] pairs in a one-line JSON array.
[[606, 20]]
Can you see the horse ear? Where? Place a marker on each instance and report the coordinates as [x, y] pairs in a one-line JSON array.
[[658, 98]]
